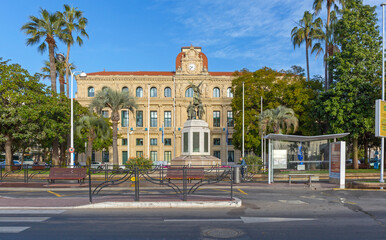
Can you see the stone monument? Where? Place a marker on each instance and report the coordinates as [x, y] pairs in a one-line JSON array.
[[196, 136]]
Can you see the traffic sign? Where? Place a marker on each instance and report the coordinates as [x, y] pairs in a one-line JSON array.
[[71, 150]]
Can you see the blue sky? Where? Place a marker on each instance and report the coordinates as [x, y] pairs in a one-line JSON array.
[[147, 35]]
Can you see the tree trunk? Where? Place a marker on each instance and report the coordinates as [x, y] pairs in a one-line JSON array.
[[68, 70], [366, 147], [90, 141], [326, 81], [63, 158], [61, 82], [22, 156], [51, 49], [355, 153], [307, 62], [8, 153], [55, 152], [330, 53], [115, 146]]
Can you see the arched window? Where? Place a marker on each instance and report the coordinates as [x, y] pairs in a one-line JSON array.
[[216, 92], [168, 92], [139, 92], [104, 89], [125, 89], [91, 91], [229, 92], [153, 92], [189, 92]]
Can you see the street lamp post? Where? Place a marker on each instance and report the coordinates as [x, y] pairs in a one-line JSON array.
[[61, 58], [383, 89]]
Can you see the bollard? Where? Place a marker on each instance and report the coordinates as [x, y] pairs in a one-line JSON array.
[[236, 174]]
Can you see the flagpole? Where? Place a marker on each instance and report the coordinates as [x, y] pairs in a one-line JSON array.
[[148, 121], [174, 117], [128, 136], [243, 151]]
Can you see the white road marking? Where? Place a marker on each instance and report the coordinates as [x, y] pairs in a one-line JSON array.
[[23, 219], [26, 211], [203, 220], [313, 197], [292, 201], [272, 219], [243, 219], [12, 229]]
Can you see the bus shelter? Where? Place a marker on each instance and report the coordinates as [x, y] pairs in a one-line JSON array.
[[298, 153]]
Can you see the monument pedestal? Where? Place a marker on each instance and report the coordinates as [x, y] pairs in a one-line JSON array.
[[196, 145]]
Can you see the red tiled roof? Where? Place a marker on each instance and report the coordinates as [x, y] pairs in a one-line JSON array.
[[144, 73], [191, 46], [138, 73]]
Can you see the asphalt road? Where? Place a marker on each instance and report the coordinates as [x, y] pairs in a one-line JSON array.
[[266, 214]]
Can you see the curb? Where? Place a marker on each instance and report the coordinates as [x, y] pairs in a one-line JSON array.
[[194, 204], [133, 205]]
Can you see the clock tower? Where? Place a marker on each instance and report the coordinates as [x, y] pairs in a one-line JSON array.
[[191, 61]]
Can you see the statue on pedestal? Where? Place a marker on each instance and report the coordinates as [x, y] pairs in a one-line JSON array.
[[195, 110]]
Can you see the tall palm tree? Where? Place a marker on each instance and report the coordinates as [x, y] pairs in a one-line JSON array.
[[60, 70], [44, 30], [93, 127], [115, 101], [304, 34], [278, 119], [73, 21], [318, 7], [328, 36]]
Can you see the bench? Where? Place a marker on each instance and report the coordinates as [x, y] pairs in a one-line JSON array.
[[67, 174], [38, 167], [191, 173], [301, 175]]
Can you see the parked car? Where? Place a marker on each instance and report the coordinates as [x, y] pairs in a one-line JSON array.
[[15, 162], [94, 165]]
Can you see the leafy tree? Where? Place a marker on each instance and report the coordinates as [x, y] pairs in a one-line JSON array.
[[304, 33], [349, 103], [22, 99], [92, 127], [46, 27], [278, 119], [73, 21], [115, 101], [287, 88]]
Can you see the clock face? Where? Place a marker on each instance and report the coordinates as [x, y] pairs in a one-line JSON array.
[[192, 67]]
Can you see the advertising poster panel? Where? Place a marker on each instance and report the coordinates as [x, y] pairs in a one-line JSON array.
[[338, 163]]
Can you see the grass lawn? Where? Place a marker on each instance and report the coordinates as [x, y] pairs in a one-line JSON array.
[[326, 171]]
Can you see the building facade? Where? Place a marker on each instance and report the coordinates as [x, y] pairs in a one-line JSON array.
[[154, 129]]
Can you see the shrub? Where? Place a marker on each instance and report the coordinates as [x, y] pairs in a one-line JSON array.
[[140, 162], [255, 164]]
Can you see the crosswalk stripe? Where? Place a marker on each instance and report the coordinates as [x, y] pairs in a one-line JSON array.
[[23, 219], [26, 211], [12, 229]]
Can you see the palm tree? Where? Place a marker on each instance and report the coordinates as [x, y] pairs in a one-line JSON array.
[[115, 101], [332, 46], [73, 21], [304, 34], [278, 119], [318, 7], [45, 28], [93, 127], [60, 69]]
